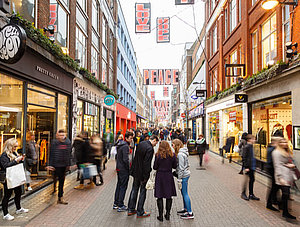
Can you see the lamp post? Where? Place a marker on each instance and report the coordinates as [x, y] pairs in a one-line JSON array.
[[271, 4]]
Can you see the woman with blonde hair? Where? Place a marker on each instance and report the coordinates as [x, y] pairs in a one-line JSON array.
[[284, 173], [183, 173], [10, 158], [165, 161]]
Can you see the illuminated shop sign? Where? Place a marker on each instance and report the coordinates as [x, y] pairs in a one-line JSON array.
[[161, 76], [163, 30], [142, 17]]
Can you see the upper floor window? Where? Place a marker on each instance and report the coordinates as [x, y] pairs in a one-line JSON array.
[[215, 39], [26, 8], [82, 4], [104, 31], [95, 15], [233, 15], [225, 23], [254, 38], [269, 43], [286, 25], [95, 62], [59, 18], [253, 1], [80, 52], [81, 20], [233, 60]]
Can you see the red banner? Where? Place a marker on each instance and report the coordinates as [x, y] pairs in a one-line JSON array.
[[142, 17], [161, 76], [163, 30]]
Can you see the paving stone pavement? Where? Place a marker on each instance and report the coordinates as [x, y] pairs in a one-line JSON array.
[[214, 192]]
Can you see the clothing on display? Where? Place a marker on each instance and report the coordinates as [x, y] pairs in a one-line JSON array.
[[261, 136]]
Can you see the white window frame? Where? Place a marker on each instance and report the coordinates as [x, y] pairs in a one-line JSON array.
[[254, 39], [285, 23], [233, 15], [268, 37]]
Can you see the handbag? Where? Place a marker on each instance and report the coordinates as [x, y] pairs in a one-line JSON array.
[[113, 152], [151, 181], [15, 176], [88, 171], [2, 177]]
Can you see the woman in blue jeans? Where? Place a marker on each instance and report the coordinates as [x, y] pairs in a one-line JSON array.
[[183, 178]]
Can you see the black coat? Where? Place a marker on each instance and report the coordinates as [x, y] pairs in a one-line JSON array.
[[248, 156], [201, 147], [60, 153], [122, 159], [81, 149], [5, 162], [141, 166]]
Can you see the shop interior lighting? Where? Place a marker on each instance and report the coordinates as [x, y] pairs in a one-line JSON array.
[[0, 86], [271, 4], [10, 87]]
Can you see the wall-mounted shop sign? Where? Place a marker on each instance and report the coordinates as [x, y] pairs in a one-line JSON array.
[[161, 76], [12, 43], [86, 93], [184, 2], [241, 98], [201, 93], [163, 30], [109, 100], [142, 18], [46, 72]]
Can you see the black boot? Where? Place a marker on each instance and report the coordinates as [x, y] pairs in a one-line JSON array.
[[160, 206], [168, 208]]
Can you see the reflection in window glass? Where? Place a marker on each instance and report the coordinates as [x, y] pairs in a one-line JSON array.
[[59, 18], [63, 112], [79, 116], [11, 110], [26, 8], [31, 86], [34, 97]]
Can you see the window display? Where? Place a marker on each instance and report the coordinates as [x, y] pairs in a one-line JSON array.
[[271, 118], [214, 131], [91, 119], [232, 127]]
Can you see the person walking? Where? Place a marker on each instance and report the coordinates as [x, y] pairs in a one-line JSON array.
[[201, 147], [284, 173], [109, 140], [10, 158], [96, 155], [165, 161], [122, 167], [140, 170], [241, 145], [249, 163], [31, 156], [60, 161], [183, 174], [272, 195]]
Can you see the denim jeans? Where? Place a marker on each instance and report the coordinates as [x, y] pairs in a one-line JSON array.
[[185, 195], [136, 186], [121, 188]]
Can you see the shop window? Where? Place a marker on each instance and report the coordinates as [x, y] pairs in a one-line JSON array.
[[63, 111], [41, 99], [95, 62], [269, 43], [79, 123], [91, 119], [271, 118], [254, 52], [26, 8], [11, 110], [80, 52], [233, 15], [59, 19], [214, 131]]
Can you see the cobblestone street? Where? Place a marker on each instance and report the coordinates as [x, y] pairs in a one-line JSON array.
[[215, 196]]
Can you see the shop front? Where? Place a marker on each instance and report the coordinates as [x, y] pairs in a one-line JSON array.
[[214, 131], [35, 97], [125, 118], [196, 117]]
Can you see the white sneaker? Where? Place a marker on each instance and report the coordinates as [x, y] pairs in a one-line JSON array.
[[22, 210], [8, 217], [29, 188]]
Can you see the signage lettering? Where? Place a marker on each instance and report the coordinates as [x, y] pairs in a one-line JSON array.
[[85, 93], [109, 100], [142, 17], [161, 76], [163, 30], [12, 43], [46, 72]]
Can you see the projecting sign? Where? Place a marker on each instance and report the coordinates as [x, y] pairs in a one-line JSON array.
[[184, 2], [163, 30], [161, 76], [109, 100], [235, 70], [12, 43], [201, 93], [241, 98], [142, 18]]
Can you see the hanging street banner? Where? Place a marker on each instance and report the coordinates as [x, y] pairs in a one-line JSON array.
[[163, 30], [152, 95], [142, 17], [161, 76], [184, 2], [162, 107]]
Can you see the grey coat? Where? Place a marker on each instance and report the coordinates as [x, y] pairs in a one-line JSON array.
[[280, 159], [183, 165]]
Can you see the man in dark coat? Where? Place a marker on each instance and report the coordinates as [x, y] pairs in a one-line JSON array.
[[140, 170], [201, 147], [60, 161], [122, 167]]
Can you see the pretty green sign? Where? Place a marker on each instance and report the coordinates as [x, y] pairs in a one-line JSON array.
[[109, 100]]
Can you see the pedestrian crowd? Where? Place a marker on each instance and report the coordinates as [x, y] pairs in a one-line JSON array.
[[133, 152]]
